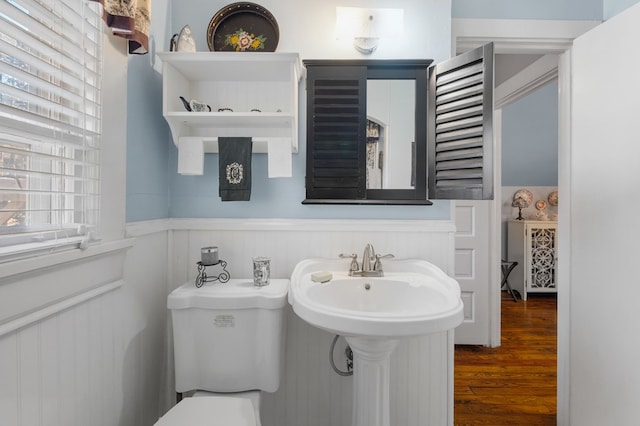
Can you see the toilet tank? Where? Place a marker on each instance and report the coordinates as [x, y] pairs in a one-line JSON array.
[[229, 337]]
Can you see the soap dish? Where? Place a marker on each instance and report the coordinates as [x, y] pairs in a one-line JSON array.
[[321, 277]]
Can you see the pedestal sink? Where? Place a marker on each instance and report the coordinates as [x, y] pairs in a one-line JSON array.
[[413, 298]]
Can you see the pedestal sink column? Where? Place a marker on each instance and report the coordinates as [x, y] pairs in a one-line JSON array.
[[371, 364]]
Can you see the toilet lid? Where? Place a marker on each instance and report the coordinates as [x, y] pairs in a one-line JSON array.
[[210, 411]]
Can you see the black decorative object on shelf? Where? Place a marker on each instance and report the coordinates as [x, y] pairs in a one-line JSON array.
[[186, 103], [202, 277], [243, 27]]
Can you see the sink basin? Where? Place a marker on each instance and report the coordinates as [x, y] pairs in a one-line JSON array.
[[413, 298]]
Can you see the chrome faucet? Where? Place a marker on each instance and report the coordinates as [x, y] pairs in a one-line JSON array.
[[368, 255], [371, 265]]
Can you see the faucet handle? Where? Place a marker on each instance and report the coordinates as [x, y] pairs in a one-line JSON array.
[[354, 260], [378, 265]]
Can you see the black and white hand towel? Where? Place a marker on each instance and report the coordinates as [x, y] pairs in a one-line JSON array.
[[234, 160]]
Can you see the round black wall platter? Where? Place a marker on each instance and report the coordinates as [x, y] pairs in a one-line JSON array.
[[243, 27]]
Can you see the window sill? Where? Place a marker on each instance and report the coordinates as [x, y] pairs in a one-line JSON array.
[[37, 287], [47, 256]]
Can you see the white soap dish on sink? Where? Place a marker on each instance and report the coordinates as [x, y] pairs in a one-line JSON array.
[[321, 277]]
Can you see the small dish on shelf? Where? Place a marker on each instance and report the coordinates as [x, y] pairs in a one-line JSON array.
[[243, 27]]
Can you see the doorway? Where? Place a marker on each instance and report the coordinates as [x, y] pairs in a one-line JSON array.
[[532, 37]]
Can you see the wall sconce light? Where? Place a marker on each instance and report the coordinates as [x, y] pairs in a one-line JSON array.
[[366, 26]]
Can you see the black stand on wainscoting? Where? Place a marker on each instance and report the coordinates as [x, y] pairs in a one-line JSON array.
[[202, 277]]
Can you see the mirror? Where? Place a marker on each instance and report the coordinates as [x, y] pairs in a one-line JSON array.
[[342, 114], [366, 131], [390, 156]]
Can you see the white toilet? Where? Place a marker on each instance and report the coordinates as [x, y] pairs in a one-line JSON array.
[[228, 346]]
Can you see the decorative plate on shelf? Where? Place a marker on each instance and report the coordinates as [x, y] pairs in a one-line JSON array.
[[243, 27], [553, 198], [541, 205]]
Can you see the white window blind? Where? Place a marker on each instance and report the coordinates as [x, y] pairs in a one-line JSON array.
[[50, 119]]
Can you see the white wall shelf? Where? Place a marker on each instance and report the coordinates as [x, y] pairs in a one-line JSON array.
[[265, 81]]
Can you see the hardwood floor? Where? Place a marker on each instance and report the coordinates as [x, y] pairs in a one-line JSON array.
[[514, 384]]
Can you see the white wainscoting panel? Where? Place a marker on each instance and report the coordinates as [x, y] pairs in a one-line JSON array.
[[89, 357], [311, 394], [104, 356], [64, 370]]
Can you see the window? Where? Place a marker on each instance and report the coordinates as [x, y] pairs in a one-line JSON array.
[[50, 120]]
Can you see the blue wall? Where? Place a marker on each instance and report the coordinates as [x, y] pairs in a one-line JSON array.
[[591, 10], [613, 7], [528, 9], [155, 190], [148, 143], [197, 196], [148, 137], [530, 139]]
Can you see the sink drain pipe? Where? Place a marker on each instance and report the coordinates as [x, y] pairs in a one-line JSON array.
[[347, 353]]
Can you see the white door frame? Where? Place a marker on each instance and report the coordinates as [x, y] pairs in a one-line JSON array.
[[532, 37]]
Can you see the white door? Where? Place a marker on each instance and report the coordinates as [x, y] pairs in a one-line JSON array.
[[472, 260], [599, 289]]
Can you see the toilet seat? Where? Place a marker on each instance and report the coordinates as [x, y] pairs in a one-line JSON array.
[[210, 411]]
